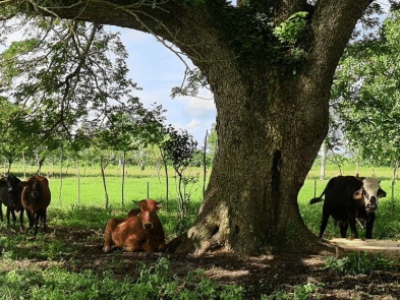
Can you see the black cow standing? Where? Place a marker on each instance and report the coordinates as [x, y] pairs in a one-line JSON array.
[[349, 199], [10, 196]]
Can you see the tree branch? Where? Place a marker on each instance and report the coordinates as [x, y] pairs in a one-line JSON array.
[[173, 21], [331, 26]]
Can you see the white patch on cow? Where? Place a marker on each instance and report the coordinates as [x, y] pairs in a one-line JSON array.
[[371, 186]]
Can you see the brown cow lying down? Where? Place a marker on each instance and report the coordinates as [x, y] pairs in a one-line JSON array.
[[36, 198], [139, 231]]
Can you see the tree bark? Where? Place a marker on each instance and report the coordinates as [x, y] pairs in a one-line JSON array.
[[24, 163], [123, 178], [40, 164], [78, 175], [205, 165], [103, 166], [61, 177], [271, 121], [10, 161], [164, 160]]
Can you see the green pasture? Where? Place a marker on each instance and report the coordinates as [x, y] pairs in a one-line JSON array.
[[88, 211]]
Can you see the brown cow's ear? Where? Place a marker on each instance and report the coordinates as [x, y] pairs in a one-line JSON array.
[[159, 204], [381, 193], [358, 194], [23, 183]]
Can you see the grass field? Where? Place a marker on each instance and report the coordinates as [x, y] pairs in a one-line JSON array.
[[68, 263], [66, 209]]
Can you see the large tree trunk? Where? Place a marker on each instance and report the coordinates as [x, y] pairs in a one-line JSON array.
[[272, 115], [262, 161]]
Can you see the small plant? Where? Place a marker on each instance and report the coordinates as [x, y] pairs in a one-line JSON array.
[[207, 288], [155, 275], [232, 292], [358, 263], [291, 29], [182, 224], [301, 292]]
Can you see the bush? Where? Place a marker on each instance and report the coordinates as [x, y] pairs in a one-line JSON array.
[[358, 263]]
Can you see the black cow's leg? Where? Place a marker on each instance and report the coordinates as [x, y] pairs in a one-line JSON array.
[[370, 225], [354, 233], [21, 218], [343, 229], [1, 212], [324, 222], [8, 215], [14, 217]]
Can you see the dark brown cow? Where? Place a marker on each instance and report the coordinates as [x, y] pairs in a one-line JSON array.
[[349, 199], [36, 198], [10, 196], [142, 230]]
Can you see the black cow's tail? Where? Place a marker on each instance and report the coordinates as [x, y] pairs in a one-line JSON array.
[[317, 199]]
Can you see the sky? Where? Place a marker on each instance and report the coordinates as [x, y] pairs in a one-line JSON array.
[[157, 70]]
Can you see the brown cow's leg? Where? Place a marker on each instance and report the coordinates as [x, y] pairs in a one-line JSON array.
[[30, 218], [37, 217], [44, 217], [162, 247], [108, 242], [132, 243]]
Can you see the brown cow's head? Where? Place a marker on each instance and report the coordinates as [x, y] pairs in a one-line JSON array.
[[34, 184], [370, 192], [148, 210]]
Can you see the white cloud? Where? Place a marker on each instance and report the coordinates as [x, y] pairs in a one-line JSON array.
[[193, 124], [201, 108]]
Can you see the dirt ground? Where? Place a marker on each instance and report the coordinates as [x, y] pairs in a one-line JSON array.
[[258, 275]]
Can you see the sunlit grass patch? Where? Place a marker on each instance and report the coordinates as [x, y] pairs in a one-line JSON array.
[[152, 282], [42, 247]]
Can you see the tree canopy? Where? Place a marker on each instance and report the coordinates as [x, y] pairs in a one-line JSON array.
[[270, 65], [366, 98]]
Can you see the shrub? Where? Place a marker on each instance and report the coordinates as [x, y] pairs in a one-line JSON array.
[[358, 263]]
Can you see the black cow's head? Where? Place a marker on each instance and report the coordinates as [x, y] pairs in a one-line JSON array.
[[11, 184], [370, 192]]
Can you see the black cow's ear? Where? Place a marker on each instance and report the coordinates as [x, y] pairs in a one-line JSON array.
[[358, 194], [381, 193]]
